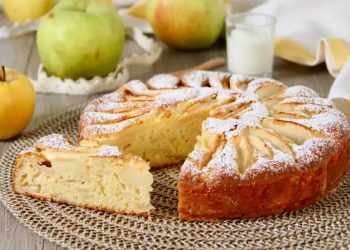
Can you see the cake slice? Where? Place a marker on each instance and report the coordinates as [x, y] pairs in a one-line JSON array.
[[165, 117], [100, 178]]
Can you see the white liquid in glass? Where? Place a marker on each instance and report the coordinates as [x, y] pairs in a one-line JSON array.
[[250, 49]]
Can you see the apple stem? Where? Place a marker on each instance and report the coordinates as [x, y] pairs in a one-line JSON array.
[[2, 74]]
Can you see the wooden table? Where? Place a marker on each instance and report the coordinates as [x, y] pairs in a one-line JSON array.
[[21, 54]]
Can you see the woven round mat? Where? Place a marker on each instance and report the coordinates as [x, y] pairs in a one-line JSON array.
[[325, 224]]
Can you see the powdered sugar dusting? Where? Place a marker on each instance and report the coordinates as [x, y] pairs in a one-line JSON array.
[[314, 150], [199, 78], [136, 87], [175, 96], [108, 129], [30, 150], [312, 108], [264, 165], [257, 83], [163, 81], [112, 97], [55, 141], [195, 79], [280, 162], [216, 79], [218, 126], [256, 110], [119, 106], [189, 167], [225, 94], [300, 91], [100, 117], [250, 117], [167, 90], [196, 155], [283, 157], [240, 81], [183, 95], [305, 100], [249, 96], [332, 123], [223, 162], [108, 151]]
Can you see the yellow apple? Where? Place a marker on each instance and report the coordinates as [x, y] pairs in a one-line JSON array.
[[185, 24], [139, 9], [17, 102], [103, 1], [21, 11]]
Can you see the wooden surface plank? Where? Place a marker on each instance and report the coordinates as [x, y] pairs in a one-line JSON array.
[[21, 54], [16, 53]]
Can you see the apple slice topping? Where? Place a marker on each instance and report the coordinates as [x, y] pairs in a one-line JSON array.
[[291, 130], [195, 79], [199, 106], [231, 110], [219, 80], [266, 88], [291, 115], [271, 101], [284, 107], [305, 100], [245, 156], [274, 139], [240, 82], [261, 146], [137, 88], [208, 144], [199, 78], [120, 107], [105, 118]]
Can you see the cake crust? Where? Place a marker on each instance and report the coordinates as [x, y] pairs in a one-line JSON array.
[[264, 195]]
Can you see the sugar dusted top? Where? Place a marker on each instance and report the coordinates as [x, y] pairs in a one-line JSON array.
[[55, 141], [256, 125], [108, 151], [59, 143]]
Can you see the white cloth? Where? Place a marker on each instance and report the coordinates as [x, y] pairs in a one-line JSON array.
[[304, 21], [340, 90], [309, 20]]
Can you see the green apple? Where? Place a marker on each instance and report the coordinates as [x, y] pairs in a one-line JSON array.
[[81, 38], [185, 24]]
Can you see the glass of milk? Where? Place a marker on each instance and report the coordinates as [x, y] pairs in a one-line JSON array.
[[250, 44]]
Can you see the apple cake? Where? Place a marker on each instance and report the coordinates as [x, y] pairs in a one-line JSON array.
[[250, 147], [100, 178]]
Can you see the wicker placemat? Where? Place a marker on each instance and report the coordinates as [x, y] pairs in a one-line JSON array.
[[325, 224]]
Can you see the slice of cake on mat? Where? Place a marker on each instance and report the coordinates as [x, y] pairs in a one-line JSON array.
[[100, 178]]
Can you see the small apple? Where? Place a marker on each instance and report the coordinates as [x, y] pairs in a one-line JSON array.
[[81, 38], [21, 11], [17, 102], [139, 9], [185, 24]]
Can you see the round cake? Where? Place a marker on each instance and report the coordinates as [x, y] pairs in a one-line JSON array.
[[248, 147]]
